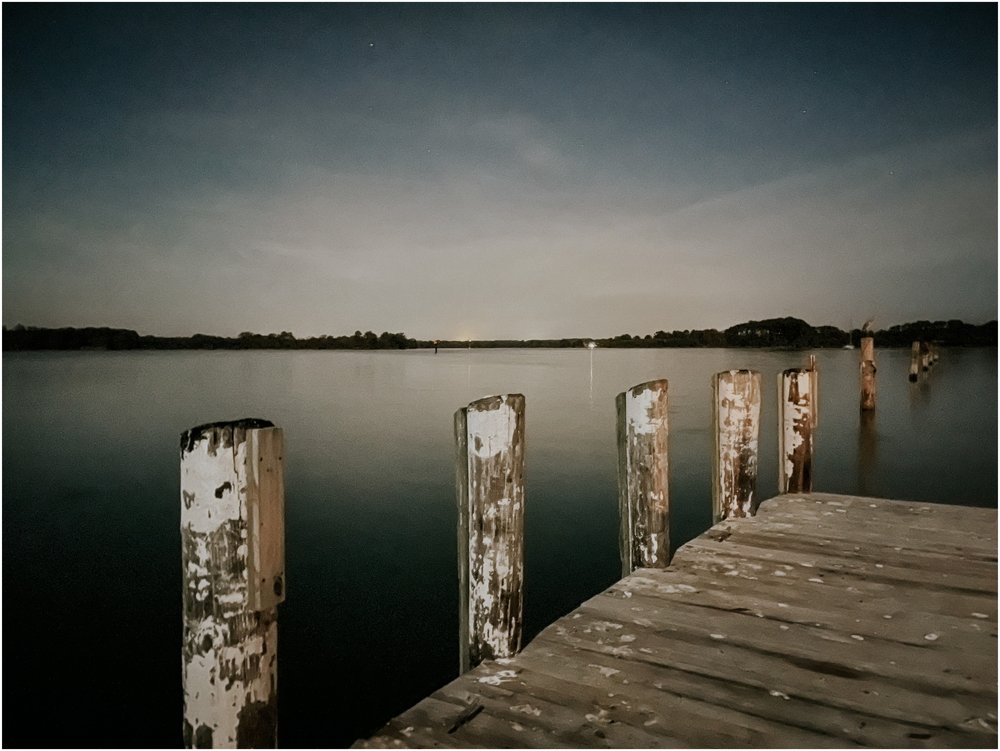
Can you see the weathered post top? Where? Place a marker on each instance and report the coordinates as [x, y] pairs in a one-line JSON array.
[[643, 476]]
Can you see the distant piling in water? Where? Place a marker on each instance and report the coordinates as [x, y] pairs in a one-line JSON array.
[[233, 562], [867, 373], [489, 461], [643, 477], [795, 434], [735, 429], [914, 361]]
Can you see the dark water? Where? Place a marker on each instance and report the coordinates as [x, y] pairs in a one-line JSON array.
[[91, 547]]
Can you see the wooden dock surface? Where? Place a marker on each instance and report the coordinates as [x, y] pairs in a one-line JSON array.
[[823, 621]]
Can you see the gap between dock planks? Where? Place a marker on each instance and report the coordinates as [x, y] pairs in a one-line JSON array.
[[824, 621]]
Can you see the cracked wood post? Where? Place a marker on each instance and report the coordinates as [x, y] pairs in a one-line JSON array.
[[914, 360], [736, 427], [643, 477], [867, 373], [795, 435], [489, 442], [232, 548]]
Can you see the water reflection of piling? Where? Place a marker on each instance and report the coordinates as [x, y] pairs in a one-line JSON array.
[[867, 456], [591, 347], [914, 360]]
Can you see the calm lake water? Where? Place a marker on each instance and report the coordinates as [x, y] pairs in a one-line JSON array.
[[91, 543]]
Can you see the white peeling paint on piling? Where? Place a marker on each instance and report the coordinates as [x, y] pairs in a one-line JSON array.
[[795, 436], [643, 476], [229, 653], [489, 437], [736, 417]]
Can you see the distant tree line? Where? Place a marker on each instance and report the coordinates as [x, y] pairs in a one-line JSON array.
[[785, 333], [29, 337], [953, 333], [790, 333]]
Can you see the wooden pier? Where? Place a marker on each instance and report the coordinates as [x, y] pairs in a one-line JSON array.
[[824, 621]]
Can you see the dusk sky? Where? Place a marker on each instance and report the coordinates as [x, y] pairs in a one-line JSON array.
[[497, 171]]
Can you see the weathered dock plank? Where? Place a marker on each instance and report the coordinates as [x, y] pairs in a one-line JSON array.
[[824, 621]]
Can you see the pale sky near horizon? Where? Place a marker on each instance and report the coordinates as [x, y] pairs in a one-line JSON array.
[[497, 171]]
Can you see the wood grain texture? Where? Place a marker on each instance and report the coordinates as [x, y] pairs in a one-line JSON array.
[[824, 621], [265, 503]]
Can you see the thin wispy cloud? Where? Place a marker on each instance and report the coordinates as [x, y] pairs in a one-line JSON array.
[[504, 173]]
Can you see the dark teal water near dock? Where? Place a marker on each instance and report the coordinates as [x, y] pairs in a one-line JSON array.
[[91, 560]]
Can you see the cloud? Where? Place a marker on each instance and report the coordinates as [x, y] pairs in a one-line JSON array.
[[504, 231]]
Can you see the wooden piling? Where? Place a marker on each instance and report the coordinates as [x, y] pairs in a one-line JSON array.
[[795, 436], [867, 372], [232, 538], [925, 356], [914, 360], [489, 441], [643, 477], [736, 428]]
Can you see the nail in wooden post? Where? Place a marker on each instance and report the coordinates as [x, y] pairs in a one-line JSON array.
[[489, 440], [867, 372], [914, 360], [643, 477], [232, 538], [795, 436], [736, 419]]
